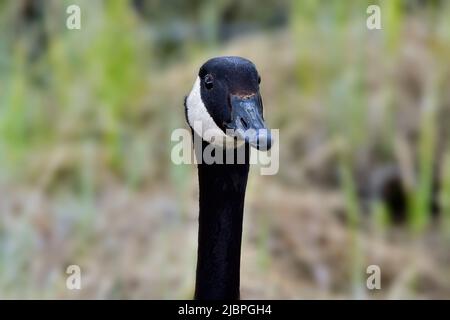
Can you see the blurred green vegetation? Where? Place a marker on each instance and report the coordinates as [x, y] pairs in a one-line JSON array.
[[83, 109]]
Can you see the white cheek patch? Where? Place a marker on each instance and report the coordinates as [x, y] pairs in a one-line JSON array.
[[202, 123]]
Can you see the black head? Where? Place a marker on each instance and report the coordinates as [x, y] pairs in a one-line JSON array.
[[226, 98]]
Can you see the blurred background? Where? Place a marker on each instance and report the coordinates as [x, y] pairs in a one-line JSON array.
[[85, 170]]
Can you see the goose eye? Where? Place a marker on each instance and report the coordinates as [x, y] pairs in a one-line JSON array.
[[259, 79], [209, 81]]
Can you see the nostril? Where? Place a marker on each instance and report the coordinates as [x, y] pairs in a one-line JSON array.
[[244, 124]]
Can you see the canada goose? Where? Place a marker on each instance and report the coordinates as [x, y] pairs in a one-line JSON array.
[[225, 96]]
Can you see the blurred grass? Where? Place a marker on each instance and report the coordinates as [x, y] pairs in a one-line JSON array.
[[102, 69], [353, 218], [343, 86], [421, 196], [445, 197]]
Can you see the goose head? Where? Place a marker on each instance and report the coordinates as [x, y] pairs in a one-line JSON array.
[[225, 107]]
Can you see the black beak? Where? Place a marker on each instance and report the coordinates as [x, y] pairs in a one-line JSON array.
[[247, 121]]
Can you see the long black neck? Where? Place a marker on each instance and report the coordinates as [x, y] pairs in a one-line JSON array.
[[222, 192]]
